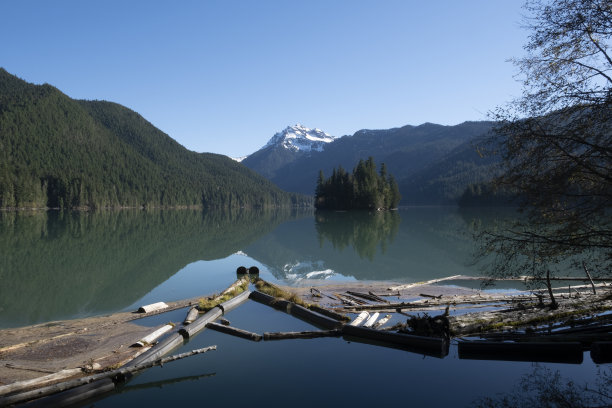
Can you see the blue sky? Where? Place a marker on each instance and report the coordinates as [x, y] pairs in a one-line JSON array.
[[224, 76]]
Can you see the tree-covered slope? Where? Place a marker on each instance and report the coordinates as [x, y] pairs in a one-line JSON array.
[[59, 152], [406, 152]]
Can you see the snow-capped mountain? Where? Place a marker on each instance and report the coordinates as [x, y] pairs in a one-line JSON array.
[[299, 138]]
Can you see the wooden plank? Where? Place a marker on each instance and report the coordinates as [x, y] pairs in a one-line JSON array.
[[234, 331], [152, 307], [359, 319]]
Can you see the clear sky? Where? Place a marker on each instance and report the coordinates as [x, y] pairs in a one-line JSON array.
[[224, 76]]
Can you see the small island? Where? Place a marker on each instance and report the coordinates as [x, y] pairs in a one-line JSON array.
[[364, 188]]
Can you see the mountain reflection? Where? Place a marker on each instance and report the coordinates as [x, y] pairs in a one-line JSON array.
[[57, 265], [362, 230]]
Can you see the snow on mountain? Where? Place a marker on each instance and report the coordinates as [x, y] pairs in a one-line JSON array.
[[299, 138], [239, 159]]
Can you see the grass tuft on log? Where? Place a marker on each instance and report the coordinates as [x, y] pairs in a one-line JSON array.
[[205, 304]]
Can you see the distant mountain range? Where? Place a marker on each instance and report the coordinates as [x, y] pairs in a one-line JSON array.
[[59, 152], [433, 164]]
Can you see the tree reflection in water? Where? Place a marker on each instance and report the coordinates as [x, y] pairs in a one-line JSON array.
[[362, 230], [546, 388]]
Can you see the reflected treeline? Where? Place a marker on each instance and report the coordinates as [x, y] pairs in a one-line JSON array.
[[364, 231], [428, 243], [545, 388], [63, 264]]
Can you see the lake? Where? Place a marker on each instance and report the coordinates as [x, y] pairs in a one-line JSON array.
[[60, 265]]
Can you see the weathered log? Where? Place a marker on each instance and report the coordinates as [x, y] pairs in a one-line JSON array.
[[150, 338], [152, 307], [601, 352], [551, 352], [94, 387], [234, 302], [235, 286], [359, 319], [329, 313], [234, 331], [192, 315], [429, 282], [37, 382], [367, 296], [371, 320], [224, 321], [302, 335], [268, 300], [159, 350], [210, 316], [345, 300], [313, 317], [428, 345], [381, 321]]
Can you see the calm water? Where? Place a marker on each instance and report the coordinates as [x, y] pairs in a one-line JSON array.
[[65, 265], [57, 265]]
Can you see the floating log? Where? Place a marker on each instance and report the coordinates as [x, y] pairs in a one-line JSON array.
[[268, 300], [381, 321], [253, 270], [37, 382], [302, 335], [192, 315], [550, 352], [159, 350], [210, 316], [224, 321], [601, 352], [152, 307], [234, 331], [359, 319], [329, 313], [429, 282], [434, 346], [346, 301], [87, 387], [234, 302], [371, 320], [313, 317], [150, 338], [241, 270]]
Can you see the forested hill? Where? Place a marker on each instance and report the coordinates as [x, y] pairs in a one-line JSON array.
[[59, 152]]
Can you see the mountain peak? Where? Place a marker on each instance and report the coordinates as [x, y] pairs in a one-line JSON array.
[[298, 138]]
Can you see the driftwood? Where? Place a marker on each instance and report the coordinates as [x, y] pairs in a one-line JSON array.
[[381, 321], [359, 319], [234, 331], [150, 338], [118, 375], [552, 352], [302, 335], [329, 313], [434, 346], [313, 317], [368, 296], [371, 320], [37, 382], [429, 282], [192, 315], [152, 307], [224, 321]]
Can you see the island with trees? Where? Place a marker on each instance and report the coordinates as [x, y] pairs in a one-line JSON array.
[[364, 188]]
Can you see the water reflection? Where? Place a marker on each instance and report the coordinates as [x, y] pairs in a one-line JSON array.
[[547, 388], [362, 230], [66, 264]]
